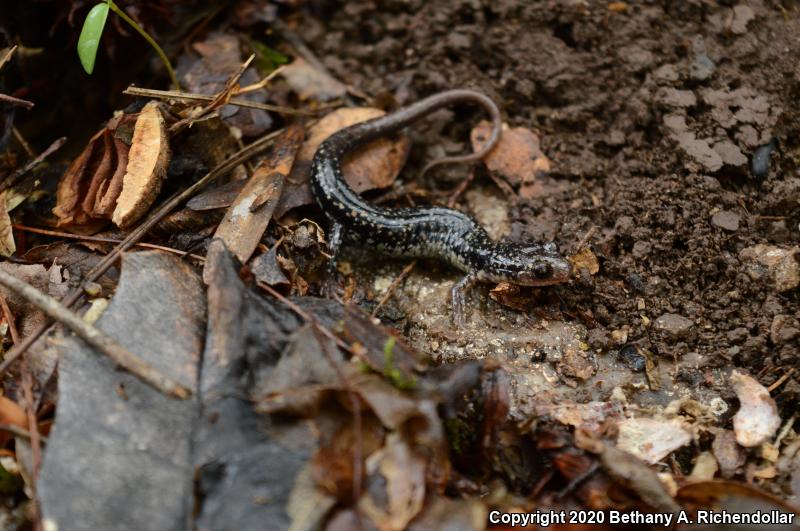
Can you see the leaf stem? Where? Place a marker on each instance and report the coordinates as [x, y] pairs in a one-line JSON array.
[[116, 9]]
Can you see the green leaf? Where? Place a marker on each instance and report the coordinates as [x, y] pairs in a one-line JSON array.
[[89, 40], [267, 59]]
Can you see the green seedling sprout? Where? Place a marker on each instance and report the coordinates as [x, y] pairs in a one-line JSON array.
[[89, 41]]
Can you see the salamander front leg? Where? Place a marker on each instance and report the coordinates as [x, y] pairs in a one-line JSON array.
[[459, 296], [332, 276]]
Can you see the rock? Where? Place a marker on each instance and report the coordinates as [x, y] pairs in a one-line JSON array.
[[676, 123], [671, 97], [637, 58], [785, 196], [738, 335], [757, 420], [624, 225], [666, 73], [702, 67], [725, 219], [780, 264], [730, 153], [674, 325], [700, 151], [641, 249], [651, 440], [742, 15], [784, 328], [705, 468]]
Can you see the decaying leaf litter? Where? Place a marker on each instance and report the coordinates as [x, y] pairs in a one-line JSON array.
[[306, 413]]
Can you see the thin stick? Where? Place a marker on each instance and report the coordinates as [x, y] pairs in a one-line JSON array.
[[7, 56], [16, 101], [216, 102], [138, 233], [191, 96], [100, 239], [36, 443], [586, 238], [94, 337], [261, 84], [22, 142], [780, 380], [17, 175], [16, 431], [393, 286], [12, 327]]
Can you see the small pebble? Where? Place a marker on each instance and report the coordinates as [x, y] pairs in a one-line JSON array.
[[641, 249], [783, 329], [781, 264], [630, 356], [674, 325], [702, 68], [725, 219]]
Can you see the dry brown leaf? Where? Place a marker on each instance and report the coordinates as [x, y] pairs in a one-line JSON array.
[[88, 190], [7, 245], [517, 156], [248, 216], [147, 166], [375, 165], [586, 260], [310, 83], [395, 485], [11, 414]]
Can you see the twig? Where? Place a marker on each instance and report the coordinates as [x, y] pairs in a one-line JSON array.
[[94, 337], [191, 96], [36, 443], [7, 56], [138, 233], [261, 84], [17, 175], [780, 380], [393, 286], [308, 318], [100, 239], [22, 142], [217, 101], [12, 327], [16, 431], [16, 101], [460, 189], [585, 239]]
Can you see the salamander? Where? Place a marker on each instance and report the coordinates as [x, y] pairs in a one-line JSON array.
[[430, 232]]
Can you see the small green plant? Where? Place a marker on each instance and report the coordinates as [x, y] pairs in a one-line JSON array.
[[89, 41]]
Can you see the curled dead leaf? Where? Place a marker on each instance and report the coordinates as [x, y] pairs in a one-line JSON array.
[[87, 192], [147, 166], [518, 156]]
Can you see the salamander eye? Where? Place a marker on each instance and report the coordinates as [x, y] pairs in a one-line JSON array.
[[542, 270]]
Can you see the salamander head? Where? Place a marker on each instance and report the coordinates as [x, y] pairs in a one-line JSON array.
[[525, 265]]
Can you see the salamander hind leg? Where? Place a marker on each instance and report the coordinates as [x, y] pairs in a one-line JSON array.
[[459, 297]]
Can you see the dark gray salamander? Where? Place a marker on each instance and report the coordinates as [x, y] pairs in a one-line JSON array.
[[433, 232]]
